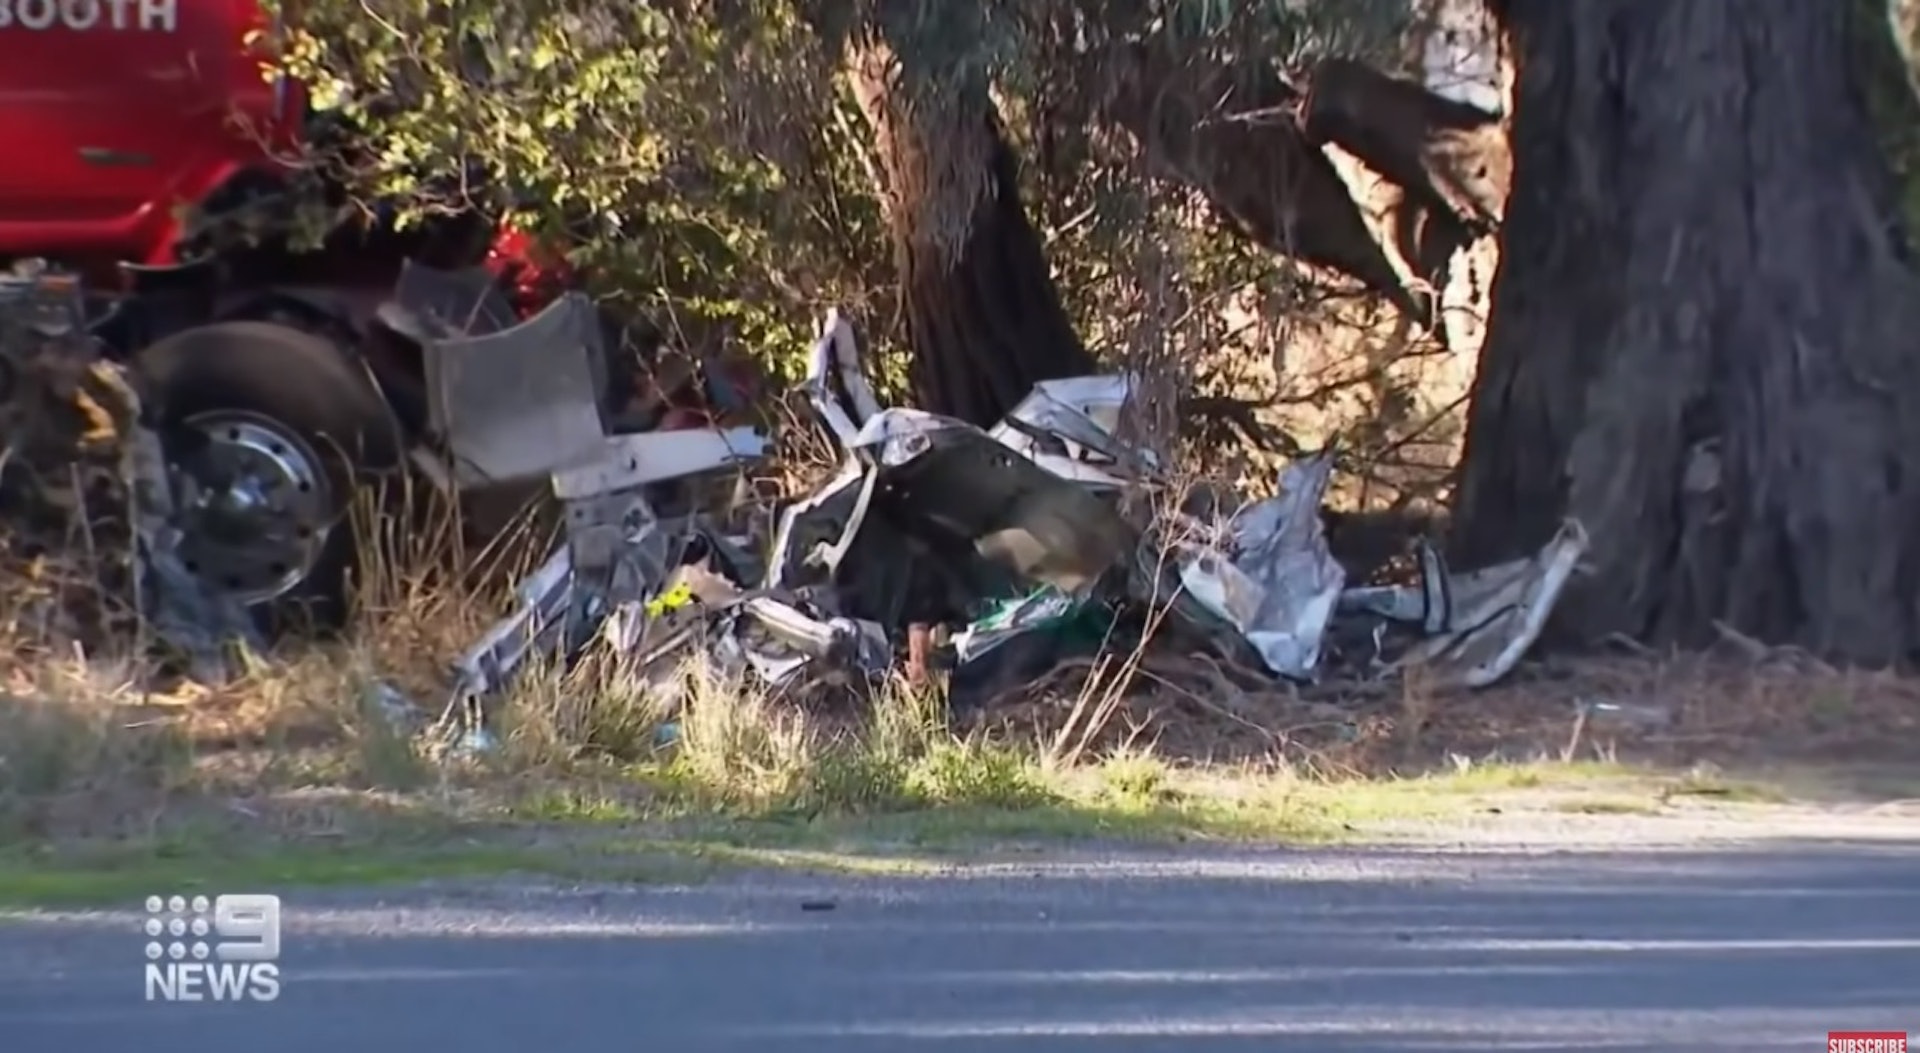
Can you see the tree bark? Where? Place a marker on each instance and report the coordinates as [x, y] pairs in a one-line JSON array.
[[984, 320], [1702, 338]]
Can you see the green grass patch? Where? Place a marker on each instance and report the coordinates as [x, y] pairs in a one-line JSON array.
[[850, 812], [598, 779], [129, 874], [584, 833], [104, 874]]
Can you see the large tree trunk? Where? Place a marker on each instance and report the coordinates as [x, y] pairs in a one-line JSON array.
[[1703, 342], [984, 320]]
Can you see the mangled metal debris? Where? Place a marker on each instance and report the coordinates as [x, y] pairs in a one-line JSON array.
[[931, 518], [1010, 535], [520, 400], [1011, 620], [1474, 628], [1070, 427], [1274, 579], [616, 554]]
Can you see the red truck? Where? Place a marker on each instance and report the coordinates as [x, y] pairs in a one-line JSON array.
[[277, 376]]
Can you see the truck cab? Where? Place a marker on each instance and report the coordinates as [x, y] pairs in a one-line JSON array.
[[115, 115], [272, 372]]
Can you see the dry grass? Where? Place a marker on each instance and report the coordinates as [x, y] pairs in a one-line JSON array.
[[298, 754], [88, 748]]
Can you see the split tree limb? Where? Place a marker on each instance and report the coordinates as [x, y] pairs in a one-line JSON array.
[[1231, 133], [1449, 155]]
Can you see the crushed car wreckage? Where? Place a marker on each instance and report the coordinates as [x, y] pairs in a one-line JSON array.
[[1012, 543], [991, 554]]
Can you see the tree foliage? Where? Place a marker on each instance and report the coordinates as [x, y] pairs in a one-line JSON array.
[[678, 152], [707, 159]]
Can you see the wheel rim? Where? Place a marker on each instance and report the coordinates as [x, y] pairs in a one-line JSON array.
[[255, 506]]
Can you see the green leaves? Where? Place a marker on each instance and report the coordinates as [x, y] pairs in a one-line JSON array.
[[678, 151], [702, 157]]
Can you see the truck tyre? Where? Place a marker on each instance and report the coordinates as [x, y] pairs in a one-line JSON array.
[[270, 431]]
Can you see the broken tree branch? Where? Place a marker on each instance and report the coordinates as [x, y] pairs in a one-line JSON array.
[[1449, 156], [1229, 132]]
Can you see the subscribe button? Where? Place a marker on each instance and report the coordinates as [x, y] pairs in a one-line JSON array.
[[1866, 1042]]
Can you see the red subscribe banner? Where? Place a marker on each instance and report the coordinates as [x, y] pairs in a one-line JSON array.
[[1866, 1042]]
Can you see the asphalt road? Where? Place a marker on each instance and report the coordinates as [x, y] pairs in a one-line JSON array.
[[1314, 951]]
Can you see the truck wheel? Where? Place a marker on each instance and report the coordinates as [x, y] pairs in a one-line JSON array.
[[269, 431]]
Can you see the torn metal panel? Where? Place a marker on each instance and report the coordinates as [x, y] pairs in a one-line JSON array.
[[895, 436], [627, 461], [929, 514], [1017, 496], [1070, 426], [620, 552], [781, 643], [836, 384], [954, 518], [1067, 426], [798, 537], [1428, 605], [1478, 625], [521, 402], [929, 517], [1275, 581]]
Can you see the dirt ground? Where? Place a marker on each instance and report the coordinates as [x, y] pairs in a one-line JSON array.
[[1736, 709]]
